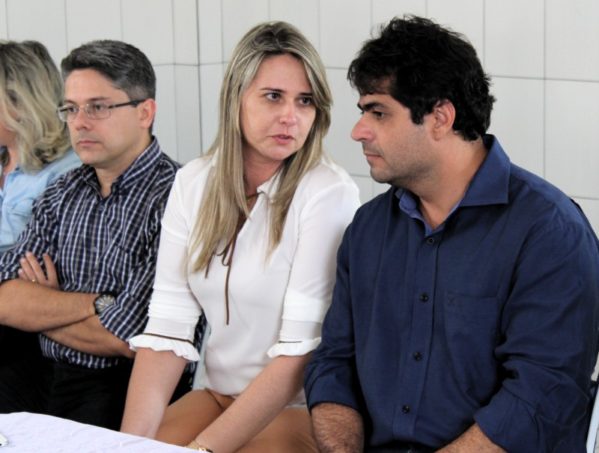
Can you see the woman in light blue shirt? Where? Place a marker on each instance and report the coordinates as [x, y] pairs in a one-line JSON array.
[[34, 143]]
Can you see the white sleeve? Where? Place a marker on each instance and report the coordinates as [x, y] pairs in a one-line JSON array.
[[322, 222], [174, 310]]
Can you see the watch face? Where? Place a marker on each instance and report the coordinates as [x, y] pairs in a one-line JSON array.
[[102, 302]]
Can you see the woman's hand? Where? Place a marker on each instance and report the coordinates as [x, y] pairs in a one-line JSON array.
[[258, 405]]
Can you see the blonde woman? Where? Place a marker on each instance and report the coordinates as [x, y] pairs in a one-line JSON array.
[[249, 239], [34, 143]]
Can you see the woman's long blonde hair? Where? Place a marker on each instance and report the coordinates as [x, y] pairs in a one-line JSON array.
[[225, 199], [30, 91]]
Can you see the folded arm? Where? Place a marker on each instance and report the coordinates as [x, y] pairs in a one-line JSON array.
[[84, 334], [30, 298], [91, 337], [32, 307]]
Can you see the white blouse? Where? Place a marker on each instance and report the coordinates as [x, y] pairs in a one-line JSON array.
[[276, 302]]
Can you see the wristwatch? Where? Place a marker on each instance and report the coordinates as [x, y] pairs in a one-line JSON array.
[[102, 302]]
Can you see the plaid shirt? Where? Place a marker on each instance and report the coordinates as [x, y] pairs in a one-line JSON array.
[[101, 245]]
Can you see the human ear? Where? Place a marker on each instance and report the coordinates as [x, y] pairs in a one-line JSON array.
[[147, 112], [443, 118]]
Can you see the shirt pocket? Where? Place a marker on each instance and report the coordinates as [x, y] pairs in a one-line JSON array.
[[471, 334], [120, 263]]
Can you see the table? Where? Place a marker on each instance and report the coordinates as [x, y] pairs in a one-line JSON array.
[[35, 433]]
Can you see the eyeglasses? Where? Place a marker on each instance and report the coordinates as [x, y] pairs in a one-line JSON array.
[[93, 110]]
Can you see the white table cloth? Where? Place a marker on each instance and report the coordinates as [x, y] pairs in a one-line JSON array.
[[35, 433]]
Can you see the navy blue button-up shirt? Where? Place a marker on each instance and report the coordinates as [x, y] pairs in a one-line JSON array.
[[491, 318]]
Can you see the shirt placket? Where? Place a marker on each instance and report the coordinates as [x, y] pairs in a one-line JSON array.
[[101, 240], [418, 347]]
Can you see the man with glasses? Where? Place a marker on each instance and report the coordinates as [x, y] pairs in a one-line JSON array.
[[81, 274]]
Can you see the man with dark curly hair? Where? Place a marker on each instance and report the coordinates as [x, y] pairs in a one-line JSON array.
[[465, 313]]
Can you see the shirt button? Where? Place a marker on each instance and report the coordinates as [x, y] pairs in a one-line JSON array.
[[417, 356], [405, 409], [423, 297], [430, 241]]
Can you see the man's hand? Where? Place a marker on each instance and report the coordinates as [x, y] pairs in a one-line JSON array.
[[472, 440], [32, 271]]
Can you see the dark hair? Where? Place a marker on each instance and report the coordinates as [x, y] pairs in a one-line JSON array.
[[420, 63], [123, 64]]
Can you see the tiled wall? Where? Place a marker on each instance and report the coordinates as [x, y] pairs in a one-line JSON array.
[[166, 30], [543, 56]]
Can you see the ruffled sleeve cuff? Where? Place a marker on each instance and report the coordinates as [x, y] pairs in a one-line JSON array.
[[181, 348], [293, 348]]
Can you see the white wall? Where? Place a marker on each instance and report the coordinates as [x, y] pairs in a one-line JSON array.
[[543, 56]]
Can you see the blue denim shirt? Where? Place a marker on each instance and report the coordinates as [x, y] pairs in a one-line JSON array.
[[21, 190], [490, 319]]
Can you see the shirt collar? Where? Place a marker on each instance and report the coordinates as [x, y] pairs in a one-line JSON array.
[[268, 188], [489, 185], [136, 171]]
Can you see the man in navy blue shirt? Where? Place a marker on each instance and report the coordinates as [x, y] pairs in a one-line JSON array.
[[465, 313]]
